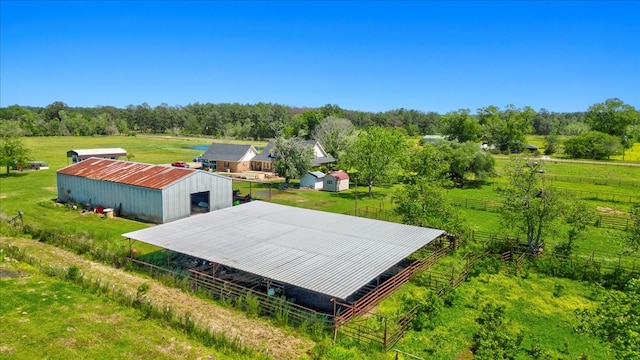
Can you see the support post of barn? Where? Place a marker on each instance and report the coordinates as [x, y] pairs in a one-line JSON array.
[[335, 323]]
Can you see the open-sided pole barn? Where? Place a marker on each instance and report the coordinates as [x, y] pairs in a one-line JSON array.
[[316, 257]]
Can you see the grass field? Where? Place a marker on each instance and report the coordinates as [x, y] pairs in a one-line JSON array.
[[32, 193], [42, 317], [546, 320]]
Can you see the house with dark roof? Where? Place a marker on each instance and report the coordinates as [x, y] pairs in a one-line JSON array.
[[230, 157], [264, 160]]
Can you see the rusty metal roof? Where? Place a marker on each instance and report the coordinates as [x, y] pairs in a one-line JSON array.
[[126, 172]]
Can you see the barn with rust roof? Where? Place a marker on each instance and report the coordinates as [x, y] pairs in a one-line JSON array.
[[152, 193]]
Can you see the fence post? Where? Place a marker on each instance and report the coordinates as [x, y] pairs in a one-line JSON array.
[[385, 334]]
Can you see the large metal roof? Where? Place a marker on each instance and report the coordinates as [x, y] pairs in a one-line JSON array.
[[324, 252], [125, 172]]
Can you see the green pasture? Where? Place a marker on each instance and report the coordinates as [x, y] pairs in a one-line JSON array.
[[32, 192], [43, 317], [546, 320], [529, 301], [541, 308]]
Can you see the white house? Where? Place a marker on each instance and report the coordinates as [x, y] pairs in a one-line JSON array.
[[313, 180], [336, 181]]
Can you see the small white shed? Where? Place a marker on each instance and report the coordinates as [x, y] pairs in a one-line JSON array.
[[336, 181], [313, 180]]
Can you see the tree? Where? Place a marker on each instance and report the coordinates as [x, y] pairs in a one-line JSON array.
[[292, 158], [577, 215], [424, 203], [544, 123], [551, 144], [467, 158], [495, 339], [506, 129], [612, 117], [14, 151], [530, 206], [376, 155], [575, 128], [634, 228], [592, 145], [427, 162], [461, 126], [616, 320], [335, 134]]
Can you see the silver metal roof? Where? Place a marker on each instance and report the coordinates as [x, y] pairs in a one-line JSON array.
[[324, 252], [105, 151]]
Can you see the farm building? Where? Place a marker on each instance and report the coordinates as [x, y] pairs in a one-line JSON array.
[[234, 158], [83, 154], [336, 181], [153, 193], [433, 139], [264, 160], [313, 180], [316, 257]]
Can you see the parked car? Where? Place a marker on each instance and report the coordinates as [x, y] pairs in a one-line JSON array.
[[181, 164]]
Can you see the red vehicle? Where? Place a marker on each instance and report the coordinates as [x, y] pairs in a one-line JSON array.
[[181, 164]]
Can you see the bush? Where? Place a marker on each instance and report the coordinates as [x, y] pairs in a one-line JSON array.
[[72, 273], [486, 265]]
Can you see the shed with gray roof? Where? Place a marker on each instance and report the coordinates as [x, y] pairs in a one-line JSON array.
[[313, 180]]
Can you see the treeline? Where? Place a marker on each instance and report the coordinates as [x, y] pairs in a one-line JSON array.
[[243, 121]]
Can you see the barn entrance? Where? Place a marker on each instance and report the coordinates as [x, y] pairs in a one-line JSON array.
[[200, 202]]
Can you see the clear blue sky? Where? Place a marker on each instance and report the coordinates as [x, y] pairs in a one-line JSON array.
[[368, 56]]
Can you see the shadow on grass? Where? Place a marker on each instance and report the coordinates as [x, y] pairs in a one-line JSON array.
[[475, 184], [13, 175]]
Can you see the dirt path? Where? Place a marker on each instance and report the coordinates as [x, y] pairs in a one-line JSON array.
[[254, 333]]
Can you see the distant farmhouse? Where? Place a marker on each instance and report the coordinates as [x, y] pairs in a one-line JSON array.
[[107, 153], [152, 193], [264, 161], [234, 158], [434, 139]]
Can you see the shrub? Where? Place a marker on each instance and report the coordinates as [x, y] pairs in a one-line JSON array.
[[72, 273]]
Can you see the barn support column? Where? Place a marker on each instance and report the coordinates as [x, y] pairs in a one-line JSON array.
[[335, 324]]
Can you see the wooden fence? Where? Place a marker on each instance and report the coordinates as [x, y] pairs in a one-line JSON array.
[[241, 297], [389, 332], [374, 297], [250, 300]]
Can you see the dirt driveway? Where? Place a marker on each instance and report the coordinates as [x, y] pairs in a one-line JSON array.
[[252, 332]]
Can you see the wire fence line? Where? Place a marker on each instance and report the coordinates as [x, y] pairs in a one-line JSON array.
[[619, 222], [583, 180]]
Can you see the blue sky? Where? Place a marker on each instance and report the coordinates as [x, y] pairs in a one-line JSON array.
[[367, 56]]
